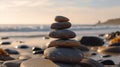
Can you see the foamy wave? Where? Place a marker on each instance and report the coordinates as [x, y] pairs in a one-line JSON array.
[[23, 28]]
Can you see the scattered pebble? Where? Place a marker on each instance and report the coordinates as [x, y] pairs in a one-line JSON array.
[[11, 51], [106, 56], [107, 62], [22, 46]]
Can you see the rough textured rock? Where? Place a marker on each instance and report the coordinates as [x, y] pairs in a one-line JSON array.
[[90, 63], [62, 25], [61, 19], [91, 41], [66, 55], [64, 43], [63, 34]]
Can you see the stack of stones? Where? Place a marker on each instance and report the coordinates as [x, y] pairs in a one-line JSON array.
[[61, 50]]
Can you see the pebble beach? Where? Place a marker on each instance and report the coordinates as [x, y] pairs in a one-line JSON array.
[[61, 47]]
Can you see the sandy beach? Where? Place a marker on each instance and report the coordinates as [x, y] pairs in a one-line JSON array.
[[42, 43]]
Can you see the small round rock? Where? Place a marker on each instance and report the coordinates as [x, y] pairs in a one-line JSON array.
[[61, 19]]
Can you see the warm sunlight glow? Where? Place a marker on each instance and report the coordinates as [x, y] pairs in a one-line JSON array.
[[43, 11]]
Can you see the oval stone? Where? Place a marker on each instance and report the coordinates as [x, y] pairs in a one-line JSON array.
[[64, 43], [65, 55], [113, 50], [108, 62], [63, 34], [11, 51], [90, 63], [61, 19], [91, 41], [115, 44], [62, 25], [12, 63]]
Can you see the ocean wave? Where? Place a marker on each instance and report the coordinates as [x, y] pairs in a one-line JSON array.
[[32, 28]]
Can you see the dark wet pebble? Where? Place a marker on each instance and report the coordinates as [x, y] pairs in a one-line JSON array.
[[38, 52], [3, 38], [91, 41], [107, 62], [5, 43], [36, 48], [106, 56], [22, 46], [11, 51], [93, 54]]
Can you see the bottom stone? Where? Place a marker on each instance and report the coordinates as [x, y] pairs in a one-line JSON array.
[[66, 55], [40, 62]]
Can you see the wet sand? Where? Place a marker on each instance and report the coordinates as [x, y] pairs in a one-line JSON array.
[[42, 43]]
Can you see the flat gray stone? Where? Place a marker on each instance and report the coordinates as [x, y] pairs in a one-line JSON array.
[[62, 25], [66, 55], [62, 34]]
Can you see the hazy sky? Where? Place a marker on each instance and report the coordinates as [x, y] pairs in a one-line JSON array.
[[44, 11]]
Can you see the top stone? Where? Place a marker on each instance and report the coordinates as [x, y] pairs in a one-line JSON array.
[[61, 19]]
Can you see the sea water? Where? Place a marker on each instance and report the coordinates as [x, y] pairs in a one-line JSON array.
[[40, 30]]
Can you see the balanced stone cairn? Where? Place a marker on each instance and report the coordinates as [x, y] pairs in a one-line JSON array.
[[62, 50]]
